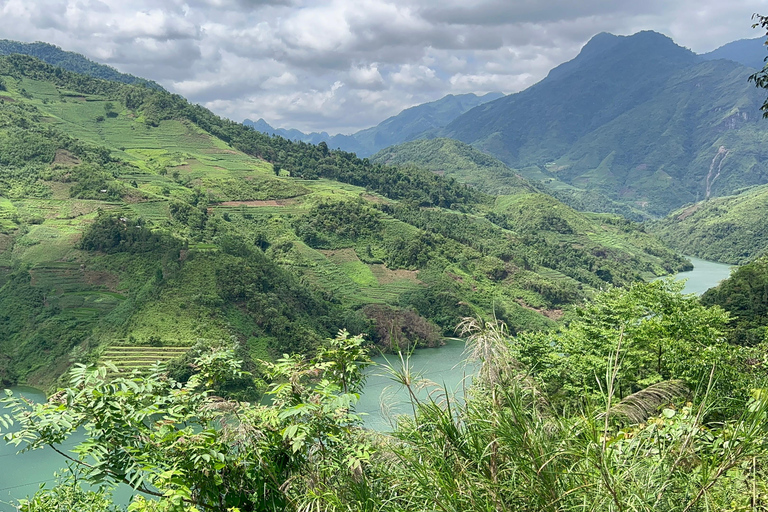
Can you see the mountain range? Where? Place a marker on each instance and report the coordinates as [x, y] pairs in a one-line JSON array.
[[634, 124], [407, 125]]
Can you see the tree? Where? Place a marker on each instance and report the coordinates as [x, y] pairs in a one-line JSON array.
[[761, 77], [648, 331], [182, 445]]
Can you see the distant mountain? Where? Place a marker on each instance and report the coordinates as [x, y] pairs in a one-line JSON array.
[[405, 126], [71, 61], [748, 52], [636, 118]]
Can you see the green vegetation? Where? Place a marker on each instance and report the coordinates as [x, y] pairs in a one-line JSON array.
[[660, 128], [129, 216], [637, 404], [731, 229], [745, 296], [70, 61]]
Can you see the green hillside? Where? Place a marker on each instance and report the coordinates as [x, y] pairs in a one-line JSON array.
[[130, 218], [71, 61], [731, 229], [455, 159], [637, 119], [451, 158]]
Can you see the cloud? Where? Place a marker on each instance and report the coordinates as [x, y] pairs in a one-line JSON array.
[[343, 65]]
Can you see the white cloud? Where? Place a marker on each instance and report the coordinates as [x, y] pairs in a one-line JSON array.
[[343, 65]]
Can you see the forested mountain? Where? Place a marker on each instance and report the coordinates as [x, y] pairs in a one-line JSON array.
[[638, 118], [405, 126], [133, 220], [730, 229], [134, 225], [748, 52], [71, 61]]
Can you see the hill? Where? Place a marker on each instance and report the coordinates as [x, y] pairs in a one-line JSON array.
[[71, 61], [130, 218], [455, 159], [731, 229], [638, 119], [403, 127], [748, 52], [449, 157]]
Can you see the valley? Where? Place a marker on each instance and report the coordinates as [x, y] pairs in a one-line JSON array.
[[469, 306]]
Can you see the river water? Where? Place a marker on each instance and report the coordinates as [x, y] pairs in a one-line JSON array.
[[381, 401]]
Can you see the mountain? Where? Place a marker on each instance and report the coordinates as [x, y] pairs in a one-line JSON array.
[[407, 125], [638, 119], [731, 229], [71, 61], [748, 52], [134, 225], [454, 159]]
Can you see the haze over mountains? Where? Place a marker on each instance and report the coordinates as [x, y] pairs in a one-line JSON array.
[[407, 125], [634, 124]]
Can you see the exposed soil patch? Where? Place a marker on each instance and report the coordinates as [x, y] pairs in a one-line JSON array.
[[8, 99], [374, 199], [98, 278], [265, 202], [688, 211], [387, 276], [552, 314], [340, 255], [64, 157]]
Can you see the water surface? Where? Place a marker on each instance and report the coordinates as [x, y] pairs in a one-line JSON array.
[[381, 401]]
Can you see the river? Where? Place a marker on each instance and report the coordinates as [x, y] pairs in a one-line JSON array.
[[382, 400]]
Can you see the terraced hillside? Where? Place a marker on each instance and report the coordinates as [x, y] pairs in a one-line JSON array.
[[132, 358], [128, 214]]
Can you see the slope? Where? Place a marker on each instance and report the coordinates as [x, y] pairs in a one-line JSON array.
[[71, 61], [731, 229], [747, 52], [405, 126], [129, 217], [636, 118]]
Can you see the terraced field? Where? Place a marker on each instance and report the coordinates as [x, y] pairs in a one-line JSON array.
[[130, 358]]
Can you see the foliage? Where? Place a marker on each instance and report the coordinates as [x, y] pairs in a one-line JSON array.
[[745, 296], [401, 329], [510, 444], [70, 61], [194, 451], [729, 229], [110, 234], [332, 225], [656, 334]]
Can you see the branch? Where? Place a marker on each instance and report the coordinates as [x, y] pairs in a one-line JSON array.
[[124, 480]]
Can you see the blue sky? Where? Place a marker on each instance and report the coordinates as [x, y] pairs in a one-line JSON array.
[[343, 65]]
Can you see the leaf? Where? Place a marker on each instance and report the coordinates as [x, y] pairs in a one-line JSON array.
[[637, 407]]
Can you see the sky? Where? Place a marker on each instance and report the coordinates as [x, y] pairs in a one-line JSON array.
[[343, 65]]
